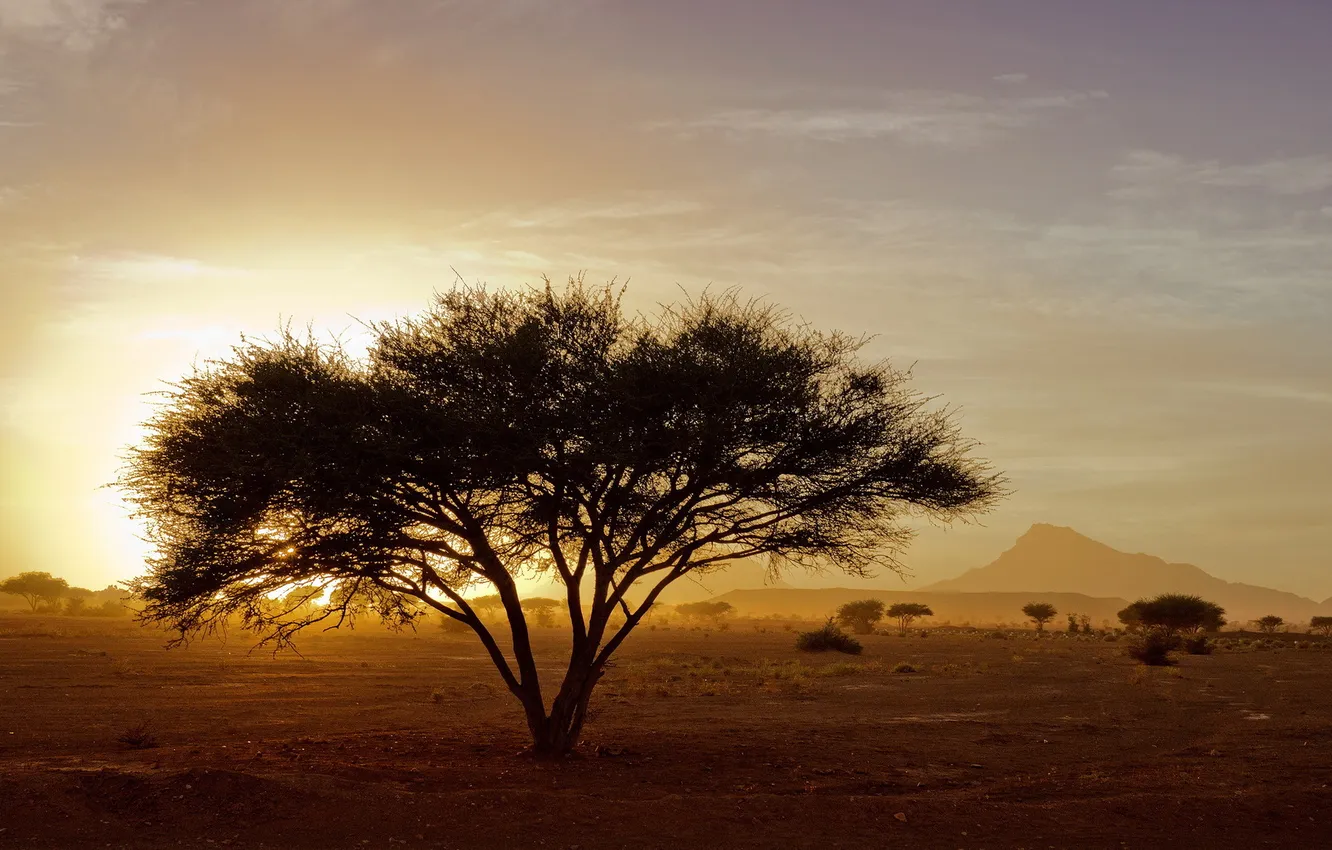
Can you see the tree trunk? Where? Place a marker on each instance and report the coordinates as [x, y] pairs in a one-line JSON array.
[[554, 735]]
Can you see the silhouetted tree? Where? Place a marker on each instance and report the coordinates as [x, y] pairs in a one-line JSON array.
[[1270, 623], [860, 616], [907, 613], [35, 588], [536, 432], [1175, 612], [1040, 613], [708, 609], [1322, 625]]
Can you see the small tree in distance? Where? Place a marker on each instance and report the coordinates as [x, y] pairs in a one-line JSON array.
[[489, 605], [1270, 623], [544, 432], [35, 588], [1039, 613], [709, 609], [861, 616], [907, 613], [542, 609], [1322, 625]]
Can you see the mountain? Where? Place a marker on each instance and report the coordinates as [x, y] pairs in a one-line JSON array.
[[1050, 558], [979, 609]]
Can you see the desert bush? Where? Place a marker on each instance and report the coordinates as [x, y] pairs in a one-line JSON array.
[[140, 736], [124, 667], [903, 667], [1110, 638], [450, 626], [1198, 645], [829, 637], [1154, 648]]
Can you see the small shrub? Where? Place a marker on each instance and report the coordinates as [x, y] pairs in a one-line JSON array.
[[140, 736], [1154, 648], [450, 626], [1198, 645], [828, 638], [841, 668], [1110, 638], [903, 667]]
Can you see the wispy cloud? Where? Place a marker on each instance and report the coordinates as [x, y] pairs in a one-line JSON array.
[[937, 119], [1150, 174], [76, 25]]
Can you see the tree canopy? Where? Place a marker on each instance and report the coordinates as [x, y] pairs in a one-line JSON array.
[[707, 609], [1040, 613], [542, 432], [1322, 625], [907, 613], [35, 588], [1175, 612], [1270, 623], [861, 615]]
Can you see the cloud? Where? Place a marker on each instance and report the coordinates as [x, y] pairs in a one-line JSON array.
[[76, 25], [1151, 174], [1013, 79], [927, 118]]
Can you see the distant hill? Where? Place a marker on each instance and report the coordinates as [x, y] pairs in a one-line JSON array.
[[978, 609], [1050, 558]]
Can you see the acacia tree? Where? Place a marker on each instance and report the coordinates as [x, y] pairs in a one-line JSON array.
[[540, 432], [708, 609], [35, 588], [907, 612], [1269, 623], [542, 609], [1322, 625], [1175, 612], [1039, 613], [861, 615]]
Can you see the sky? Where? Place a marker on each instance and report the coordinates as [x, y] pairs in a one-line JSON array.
[[1103, 231]]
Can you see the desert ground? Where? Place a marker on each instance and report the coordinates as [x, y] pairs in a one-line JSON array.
[[701, 738]]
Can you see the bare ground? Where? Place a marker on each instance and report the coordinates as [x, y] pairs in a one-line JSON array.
[[722, 739]]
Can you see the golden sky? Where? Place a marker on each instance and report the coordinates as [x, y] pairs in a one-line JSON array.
[[1103, 230]]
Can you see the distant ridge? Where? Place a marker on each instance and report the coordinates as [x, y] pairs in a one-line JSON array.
[[1050, 558]]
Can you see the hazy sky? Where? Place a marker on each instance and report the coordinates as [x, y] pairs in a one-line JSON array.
[[1103, 229]]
